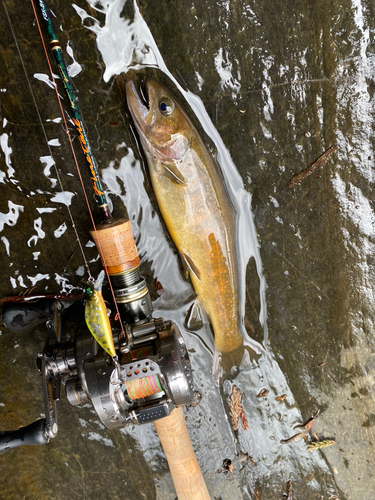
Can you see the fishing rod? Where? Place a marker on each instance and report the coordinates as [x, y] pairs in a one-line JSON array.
[[76, 114], [149, 378]]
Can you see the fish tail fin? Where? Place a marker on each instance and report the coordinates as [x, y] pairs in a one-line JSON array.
[[226, 364]]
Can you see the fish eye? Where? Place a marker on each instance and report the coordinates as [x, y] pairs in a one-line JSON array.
[[89, 291], [166, 107]]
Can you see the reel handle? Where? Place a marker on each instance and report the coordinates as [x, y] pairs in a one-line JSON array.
[[34, 433]]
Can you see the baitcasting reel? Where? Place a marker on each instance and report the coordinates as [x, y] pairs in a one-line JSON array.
[[152, 377]]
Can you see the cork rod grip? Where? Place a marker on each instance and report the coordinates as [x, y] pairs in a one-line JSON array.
[[187, 476], [116, 246]]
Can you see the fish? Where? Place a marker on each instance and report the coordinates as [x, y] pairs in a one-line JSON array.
[[96, 316], [196, 208]]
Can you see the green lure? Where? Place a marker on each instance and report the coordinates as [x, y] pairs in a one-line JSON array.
[[96, 316]]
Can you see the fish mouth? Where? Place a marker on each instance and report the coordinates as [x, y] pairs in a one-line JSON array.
[[138, 103]]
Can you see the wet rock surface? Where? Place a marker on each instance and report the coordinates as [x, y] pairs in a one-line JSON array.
[[281, 84]]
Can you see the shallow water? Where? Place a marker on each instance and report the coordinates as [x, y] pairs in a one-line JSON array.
[[270, 87]]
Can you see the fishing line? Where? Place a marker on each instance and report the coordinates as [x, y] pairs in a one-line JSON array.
[[145, 386], [46, 138]]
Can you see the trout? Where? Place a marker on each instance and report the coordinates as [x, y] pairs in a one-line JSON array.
[[194, 204], [96, 316]]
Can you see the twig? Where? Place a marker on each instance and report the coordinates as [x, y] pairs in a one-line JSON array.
[[289, 490], [319, 163], [303, 434]]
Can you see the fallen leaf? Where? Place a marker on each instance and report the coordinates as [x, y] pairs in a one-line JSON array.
[[281, 398], [236, 410]]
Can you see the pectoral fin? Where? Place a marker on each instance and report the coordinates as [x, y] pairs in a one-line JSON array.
[[172, 172]]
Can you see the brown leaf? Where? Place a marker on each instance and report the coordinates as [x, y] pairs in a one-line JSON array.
[[158, 285], [236, 410], [263, 393], [281, 398]]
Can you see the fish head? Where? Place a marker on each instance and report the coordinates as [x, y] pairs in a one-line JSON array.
[[162, 125]]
